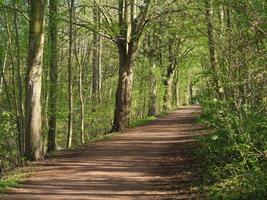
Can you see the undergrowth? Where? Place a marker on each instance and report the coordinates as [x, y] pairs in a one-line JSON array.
[[13, 178], [233, 156]]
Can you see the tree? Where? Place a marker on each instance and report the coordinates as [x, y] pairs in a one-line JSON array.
[[21, 128], [52, 113], [33, 118], [70, 78], [131, 27], [211, 45], [96, 59]]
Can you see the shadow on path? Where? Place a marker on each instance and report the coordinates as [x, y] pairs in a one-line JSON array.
[[152, 161]]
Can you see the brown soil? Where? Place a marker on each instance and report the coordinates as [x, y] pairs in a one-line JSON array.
[[153, 161]]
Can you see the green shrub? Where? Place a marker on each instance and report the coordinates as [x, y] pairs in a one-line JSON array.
[[8, 145], [234, 155]]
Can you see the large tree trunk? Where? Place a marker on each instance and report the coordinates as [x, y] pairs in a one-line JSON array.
[[124, 91], [52, 103], [131, 29], [33, 120]]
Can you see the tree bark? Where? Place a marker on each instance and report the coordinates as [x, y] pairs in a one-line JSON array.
[[124, 91], [52, 101], [33, 120]]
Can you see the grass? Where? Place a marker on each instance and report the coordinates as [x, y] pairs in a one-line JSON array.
[[13, 179], [146, 120], [102, 137], [140, 122]]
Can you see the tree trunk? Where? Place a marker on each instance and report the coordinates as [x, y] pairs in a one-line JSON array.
[[131, 29], [190, 91], [20, 88], [81, 102], [33, 120], [70, 87], [211, 45], [168, 82], [176, 100], [152, 110], [52, 103], [80, 75], [3, 68], [168, 92], [96, 79], [124, 92]]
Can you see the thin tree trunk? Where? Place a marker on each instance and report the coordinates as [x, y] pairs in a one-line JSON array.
[[168, 82], [96, 60], [80, 75], [211, 45], [81, 101], [190, 91], [152, 111], [3, 83], [70, 78], [177, 91], [53, 74], [152, 43], [20, 88], [168, 91], [3, 67], [33, 118], [15, 68]]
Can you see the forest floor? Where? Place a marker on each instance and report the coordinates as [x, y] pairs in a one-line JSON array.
[[153, 161]]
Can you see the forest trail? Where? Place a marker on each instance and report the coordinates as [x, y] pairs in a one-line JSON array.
[[148, 162]]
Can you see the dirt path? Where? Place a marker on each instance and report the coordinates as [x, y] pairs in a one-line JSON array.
[[148, 162]]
